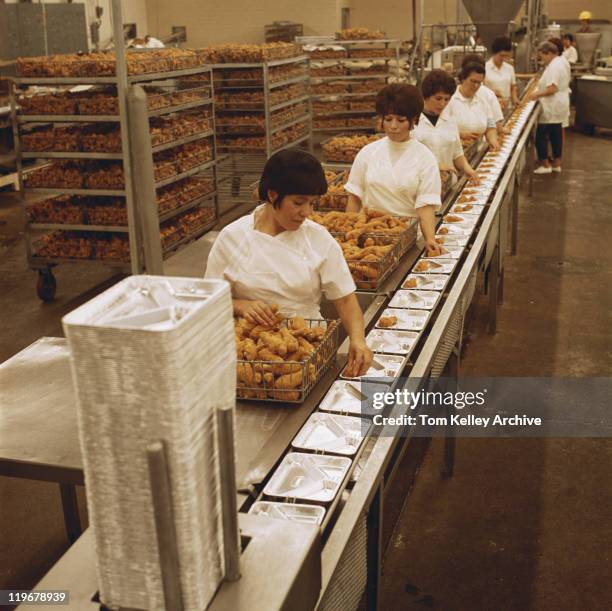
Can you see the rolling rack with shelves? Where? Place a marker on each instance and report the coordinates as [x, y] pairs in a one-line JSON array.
[[129, 172]]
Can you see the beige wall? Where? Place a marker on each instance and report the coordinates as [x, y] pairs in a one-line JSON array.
[[570, 9], [215, 21]]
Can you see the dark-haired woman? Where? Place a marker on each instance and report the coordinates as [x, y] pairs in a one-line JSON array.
[[276, 255], [500, 76], [569, 50], [398, 174], [439, 133], [471, 112]]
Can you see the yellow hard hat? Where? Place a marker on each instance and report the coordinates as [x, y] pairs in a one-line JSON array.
[[585, 16]]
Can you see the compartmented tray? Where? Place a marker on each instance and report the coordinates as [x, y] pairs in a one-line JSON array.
[[459, 219], [312, 478], [384, 366], [452, 252], [426, 282], [472, 208], [415, 299], [288, 381], [456, 229], [350, 397], [388, 341], [435, 266], [452, 240], [292, 512], [403, 319], [325, 433]]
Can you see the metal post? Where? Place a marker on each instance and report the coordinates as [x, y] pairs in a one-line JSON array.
[[374, 550], [144, 180], [515, 212], [267, 122], [448, 464], [531, 152], [229, 508], [164, 525], [215, 168], [493, 288], [122, 84]]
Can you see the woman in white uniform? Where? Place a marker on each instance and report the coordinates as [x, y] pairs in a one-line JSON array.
[[440, 134], [500, 76], [562, 64], [553, 95], [471, 112], [569, 50], [398, 174], [276, 255]]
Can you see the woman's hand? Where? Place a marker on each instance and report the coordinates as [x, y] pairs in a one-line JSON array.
[[257, 312], [433, 248], [359, 358], [473, 176]]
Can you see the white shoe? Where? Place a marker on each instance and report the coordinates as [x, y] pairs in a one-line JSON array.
[[543, 170], [556, 169]]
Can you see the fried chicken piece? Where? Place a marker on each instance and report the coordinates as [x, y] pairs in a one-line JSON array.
[[411, 283], [288, 381], [245, 373], [443, 230], [275, 343], [284, 395], [315, 334], [290, 341], [247, 349], [422, 266], [450, 218], [387, 321], [305, 345]]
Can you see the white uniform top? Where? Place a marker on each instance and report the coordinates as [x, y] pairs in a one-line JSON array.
[[292, 269], [570, 54], [494, 106], [555, 108], [474, 115], [396, 177], [500, 79], [154, 43], [442, 139]]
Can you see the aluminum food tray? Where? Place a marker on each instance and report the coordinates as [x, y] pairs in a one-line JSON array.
[[350, 397], [292, 512], [385, 367], [435, 266], [426, 282], [414, 299], [388, 341], [460, 229], [452, 252], [325, 433], [407, 319], [475, 209], [309, 371], [310, 478]]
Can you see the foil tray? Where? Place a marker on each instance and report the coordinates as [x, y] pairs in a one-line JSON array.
[[452, 252], [392, 342], [452, 240], [415, 299], [426, 282], [350, 397], [325, 433], [292, 512], [435, 266], [407, 320], [384, 366], [308, 477]]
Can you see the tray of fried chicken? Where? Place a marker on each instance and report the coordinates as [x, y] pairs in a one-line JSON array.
[[283, 362]]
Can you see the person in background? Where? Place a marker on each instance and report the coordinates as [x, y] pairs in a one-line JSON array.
[[439, 133], [569, 50], [153, 43], [398, 174], [563, 64], [278, 256], [555, 103], [585, 22], [472, 112], [500, 77], [487, 95]]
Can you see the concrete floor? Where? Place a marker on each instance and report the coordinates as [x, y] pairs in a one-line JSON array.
[[523, 524]]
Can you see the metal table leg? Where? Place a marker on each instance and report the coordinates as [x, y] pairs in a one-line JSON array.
[[70, 506], [448, 465], [493, 290], [531, 159], [515, 211], [374, 550]]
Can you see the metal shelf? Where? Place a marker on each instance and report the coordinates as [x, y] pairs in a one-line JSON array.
[[68, 119], [343, 95], [297, 79], [260, 85], [289, 103], [67, 227], [170, 109], [180, 141], [42, 262], [70, 155], [261, 150], [368, 41], [347, 77], [301, 119], [269, 63], [346, 128], [91, 192], [344, 58], [262, 107], [290, 144], [343, 112], [190, 238], [192, 204], [186, 174]]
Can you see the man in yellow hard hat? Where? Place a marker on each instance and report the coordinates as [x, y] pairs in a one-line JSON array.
[[585, 22]]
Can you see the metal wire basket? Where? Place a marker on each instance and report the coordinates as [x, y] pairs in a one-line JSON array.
[[288, 381]]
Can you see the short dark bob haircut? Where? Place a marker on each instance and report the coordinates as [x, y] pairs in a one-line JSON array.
[[438, 81], [400, 99], [291, 172], [568, 36], [502, 43], [558, 43], [470, 69]]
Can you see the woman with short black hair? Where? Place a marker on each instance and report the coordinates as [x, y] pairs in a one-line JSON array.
[[569, 50], [276, 255], [398, 174], [471, 112], [500, 76], [439, 133]]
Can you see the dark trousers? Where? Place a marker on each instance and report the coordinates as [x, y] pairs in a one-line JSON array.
[[552, 132]]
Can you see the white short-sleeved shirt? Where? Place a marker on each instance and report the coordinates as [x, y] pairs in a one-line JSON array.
[[292, 269], [442, 139], [500, 79], [555, 108], [570, 54], [396, 177], [474, 115], [495, 108]]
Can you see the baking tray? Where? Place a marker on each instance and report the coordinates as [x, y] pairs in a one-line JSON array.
[[292, 512], [326, 433], [312, 478], [389, 341], [385, 367], [426, 282], [407, 319], [452, 252], [351, 397], [435, 266], [415, 299]]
